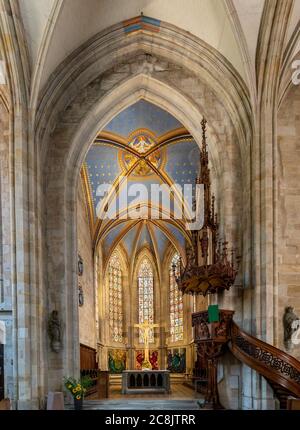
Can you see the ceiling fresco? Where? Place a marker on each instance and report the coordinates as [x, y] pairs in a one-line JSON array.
[[142, 146]]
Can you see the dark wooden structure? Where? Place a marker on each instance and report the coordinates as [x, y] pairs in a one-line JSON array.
[[88, 357], [199, 377], [281, 370], [209, 267], [89, 367], [211, 339]]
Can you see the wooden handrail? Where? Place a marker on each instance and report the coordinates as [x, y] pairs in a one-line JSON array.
[[275, 365]]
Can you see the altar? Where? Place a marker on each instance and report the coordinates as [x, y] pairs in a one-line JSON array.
[[145, 381]]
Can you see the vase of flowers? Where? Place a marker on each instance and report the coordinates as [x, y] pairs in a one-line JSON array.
[[77, 388], [78, 403]]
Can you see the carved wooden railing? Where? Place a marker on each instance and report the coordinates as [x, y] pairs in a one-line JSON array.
[[278, 367], [281, 370]]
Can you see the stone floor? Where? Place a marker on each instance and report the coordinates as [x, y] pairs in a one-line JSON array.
[[180, 398], [137, 404], [178, 392]]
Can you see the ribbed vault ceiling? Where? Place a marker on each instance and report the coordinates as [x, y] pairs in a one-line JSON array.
[[142, 145]]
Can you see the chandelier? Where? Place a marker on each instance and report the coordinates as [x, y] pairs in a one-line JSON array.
[[210, 267]]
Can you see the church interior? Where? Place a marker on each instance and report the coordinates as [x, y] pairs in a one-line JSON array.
[[149, 204]]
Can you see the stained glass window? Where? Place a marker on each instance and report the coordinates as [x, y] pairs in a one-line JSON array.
[[176, 304], [145, 297], [115, 299]]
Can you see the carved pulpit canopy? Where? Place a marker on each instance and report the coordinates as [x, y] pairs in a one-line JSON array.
[[209, 267]]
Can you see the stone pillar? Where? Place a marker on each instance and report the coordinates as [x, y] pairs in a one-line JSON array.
[[263, 304]]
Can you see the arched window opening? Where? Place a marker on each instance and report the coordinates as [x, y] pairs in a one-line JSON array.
[[176, 303], [115, 299], [145, 297]]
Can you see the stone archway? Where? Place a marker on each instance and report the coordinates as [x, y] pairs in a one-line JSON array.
[[62, 185], [177, 89]]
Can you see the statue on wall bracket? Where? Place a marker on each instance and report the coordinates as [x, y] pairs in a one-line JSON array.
[[80, 266], [291, 326], [80, 296], [55, 331]]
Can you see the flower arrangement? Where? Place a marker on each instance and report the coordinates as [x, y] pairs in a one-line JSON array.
[[77, 388]]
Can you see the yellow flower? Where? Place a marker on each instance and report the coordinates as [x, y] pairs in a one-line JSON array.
[[78, 397], [70, 386], [74, 390]]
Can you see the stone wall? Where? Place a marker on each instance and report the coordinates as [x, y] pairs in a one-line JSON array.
[[87, 313], [230, 382], [5, 249], [289, 209]]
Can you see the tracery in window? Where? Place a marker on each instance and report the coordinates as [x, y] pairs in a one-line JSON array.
[[176, 304], [115, 299], [145, 297]]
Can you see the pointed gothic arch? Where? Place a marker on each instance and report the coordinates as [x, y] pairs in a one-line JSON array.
[[175, 301], [116, 294], [145, 291], [62, 182], [75, 106]]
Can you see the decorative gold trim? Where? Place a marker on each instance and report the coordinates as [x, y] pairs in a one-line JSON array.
[[143, 156], [141, 131], [115, 190], [115, 222], [172, 239], [113, 139], [172, 137], [111, 136], [117, 240], [155, 246], [174, 141], [140, 223], [88, 196], [176, 132]]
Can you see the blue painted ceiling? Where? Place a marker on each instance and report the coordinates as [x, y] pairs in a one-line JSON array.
[[142, 114], [123, 142]]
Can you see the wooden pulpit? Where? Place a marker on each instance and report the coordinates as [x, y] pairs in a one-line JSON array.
[[211, 339]]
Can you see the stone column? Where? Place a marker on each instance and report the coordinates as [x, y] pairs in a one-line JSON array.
[[261, 308]]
